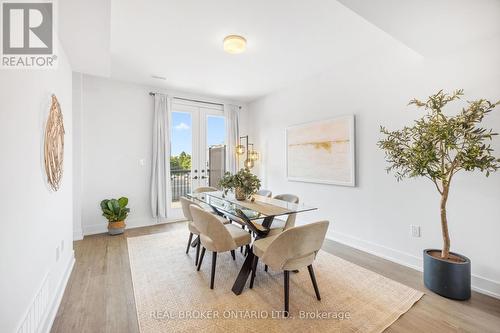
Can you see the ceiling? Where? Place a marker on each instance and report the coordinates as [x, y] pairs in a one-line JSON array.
[[432, 27], [288, 40]]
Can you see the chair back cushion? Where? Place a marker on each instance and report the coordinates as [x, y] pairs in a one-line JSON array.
[[296, 247], [185, 203], [214, 235], [287, 197], [290, 221], [265, 193], [205, 189]]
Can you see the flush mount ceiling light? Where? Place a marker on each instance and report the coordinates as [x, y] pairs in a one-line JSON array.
[[235, 44]]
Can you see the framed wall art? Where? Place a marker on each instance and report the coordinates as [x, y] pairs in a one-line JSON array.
[[322, 151]]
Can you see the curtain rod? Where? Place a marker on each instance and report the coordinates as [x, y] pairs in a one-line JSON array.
[[192, 100]]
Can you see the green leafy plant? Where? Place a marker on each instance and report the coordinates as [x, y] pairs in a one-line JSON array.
[[180, 162], [243, 181], [438, 146], [115, 210]]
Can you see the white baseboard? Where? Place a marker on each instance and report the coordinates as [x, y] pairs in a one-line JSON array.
[[77, 235], [393, 255], [103, 227], [479, 283], [95, 229], [58, 294]]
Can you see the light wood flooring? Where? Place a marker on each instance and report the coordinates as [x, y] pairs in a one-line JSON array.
[[99, 295]]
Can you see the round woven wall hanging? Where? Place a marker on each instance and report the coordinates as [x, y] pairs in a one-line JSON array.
[[54, 145]]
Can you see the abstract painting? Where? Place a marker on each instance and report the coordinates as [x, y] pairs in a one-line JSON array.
[[322, 151]]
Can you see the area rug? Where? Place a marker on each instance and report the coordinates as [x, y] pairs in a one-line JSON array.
[[171, 296]]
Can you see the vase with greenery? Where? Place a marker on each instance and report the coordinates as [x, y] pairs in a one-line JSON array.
[[438, 146], [115, 211], [244, 184]]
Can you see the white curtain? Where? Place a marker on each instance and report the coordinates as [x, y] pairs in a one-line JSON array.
[[160, 166], [231, 113]]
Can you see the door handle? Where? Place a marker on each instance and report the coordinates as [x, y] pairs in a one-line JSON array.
[[195, 177], [203, 177]]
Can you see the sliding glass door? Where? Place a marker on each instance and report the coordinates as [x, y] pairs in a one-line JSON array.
[[198, 136]]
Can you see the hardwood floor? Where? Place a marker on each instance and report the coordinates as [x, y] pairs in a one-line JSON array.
[[99, 295]]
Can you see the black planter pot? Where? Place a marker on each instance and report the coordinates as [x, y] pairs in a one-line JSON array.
[[445, 278]]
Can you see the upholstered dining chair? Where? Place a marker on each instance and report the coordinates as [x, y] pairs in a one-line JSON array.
[[281, 225], [202, 189], [185, 203], [264, 193], [291, 250], [287, 197], [217, 237], [205, 189]]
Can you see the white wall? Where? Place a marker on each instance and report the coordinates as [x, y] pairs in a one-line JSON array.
[[116, 122], [77, 156], [87, 45], [35, 220], [376, 215], [116, 130]]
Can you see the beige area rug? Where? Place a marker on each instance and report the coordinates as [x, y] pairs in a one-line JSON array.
[[171, 296]]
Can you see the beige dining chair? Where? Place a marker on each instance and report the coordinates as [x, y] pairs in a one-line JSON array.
[[291, 250], [217, 237], [264, 193], [287, 197], [205, 189], [279, 225], [185, 203]]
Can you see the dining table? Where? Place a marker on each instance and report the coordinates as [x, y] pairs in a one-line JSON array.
[[256, 213]]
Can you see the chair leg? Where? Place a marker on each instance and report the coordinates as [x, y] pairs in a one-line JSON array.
[[233, 255], [254, 269], [214, 261], [201, 258], [287, 291], [189, 242], [241, 248], [197, 254], [247, 249], [265, 268], [313, 279]]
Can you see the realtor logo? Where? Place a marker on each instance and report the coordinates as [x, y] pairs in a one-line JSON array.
[[28, 35]]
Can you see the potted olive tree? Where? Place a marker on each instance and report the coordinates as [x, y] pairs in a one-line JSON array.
[[438, 146], [244, 184], [115, 211]]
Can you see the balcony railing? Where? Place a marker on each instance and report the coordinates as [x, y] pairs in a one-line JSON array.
[[180, 181]]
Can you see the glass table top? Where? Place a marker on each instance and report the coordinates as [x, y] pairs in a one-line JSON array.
[[259, 208]]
